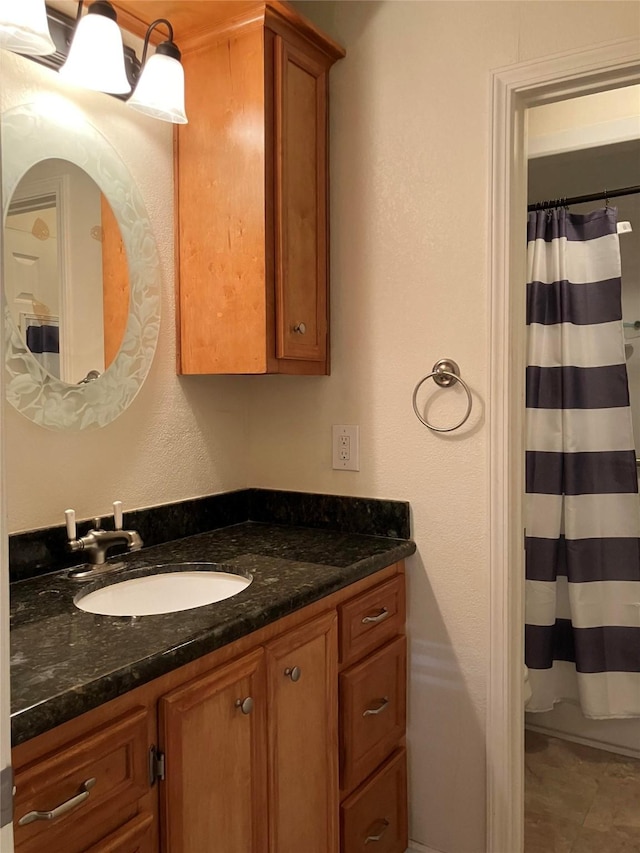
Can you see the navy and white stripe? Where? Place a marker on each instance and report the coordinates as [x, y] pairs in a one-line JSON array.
[[582, 509]]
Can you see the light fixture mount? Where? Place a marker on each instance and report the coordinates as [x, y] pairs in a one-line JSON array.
[[159, 92], [165, 48], [100, 7]]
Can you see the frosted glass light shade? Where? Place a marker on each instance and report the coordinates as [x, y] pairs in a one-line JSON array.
[[24, 28], [160, 90], [96, 57]]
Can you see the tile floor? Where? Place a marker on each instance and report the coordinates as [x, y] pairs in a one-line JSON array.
[[579, 799]]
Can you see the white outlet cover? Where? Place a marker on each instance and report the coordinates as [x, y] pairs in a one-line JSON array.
[[338, 434]]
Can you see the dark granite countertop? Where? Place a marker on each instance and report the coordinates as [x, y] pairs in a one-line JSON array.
[[65, 661]]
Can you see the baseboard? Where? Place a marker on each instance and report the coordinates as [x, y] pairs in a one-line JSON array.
[[584, 741], [415, 847]]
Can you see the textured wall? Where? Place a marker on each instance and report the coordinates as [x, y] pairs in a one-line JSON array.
[[181, 437], [409, 227]]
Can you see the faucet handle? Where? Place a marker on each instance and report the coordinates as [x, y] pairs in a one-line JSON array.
[[117, 515], [70, 518]]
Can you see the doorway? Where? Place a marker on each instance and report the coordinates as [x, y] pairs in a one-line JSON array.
[[582, 774], [514, 90]]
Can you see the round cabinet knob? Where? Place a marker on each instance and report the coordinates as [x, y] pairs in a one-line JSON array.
[[294, 673], [245, 705], [300, 328]]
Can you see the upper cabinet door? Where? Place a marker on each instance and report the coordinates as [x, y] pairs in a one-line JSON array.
[[213, 736], [300, 204], [303, 747]]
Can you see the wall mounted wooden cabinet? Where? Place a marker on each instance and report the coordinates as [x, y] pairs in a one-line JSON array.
[[252, 198]]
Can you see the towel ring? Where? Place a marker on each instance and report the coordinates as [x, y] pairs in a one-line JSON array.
[[445, 373]]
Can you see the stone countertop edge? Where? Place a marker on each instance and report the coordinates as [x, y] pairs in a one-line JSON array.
[[274, 598]]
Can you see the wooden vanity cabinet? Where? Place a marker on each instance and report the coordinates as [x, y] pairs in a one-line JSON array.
[[212, 734], [136, 836], [303, 738], [94, 780], [251, 751], [373, 761], [249, 741], [252, 198]]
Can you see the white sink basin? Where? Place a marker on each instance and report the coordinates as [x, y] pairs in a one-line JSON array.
[[165, 592]]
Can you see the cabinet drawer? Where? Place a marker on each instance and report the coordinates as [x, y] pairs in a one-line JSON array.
[[372, 711], [370, 619], [375, 816], [136, 836], [99, 777]]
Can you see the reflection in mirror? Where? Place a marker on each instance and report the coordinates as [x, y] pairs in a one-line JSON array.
[[65, 271], [33, 137]]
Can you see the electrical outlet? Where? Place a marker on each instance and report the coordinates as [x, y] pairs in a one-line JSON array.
[[345, 447]]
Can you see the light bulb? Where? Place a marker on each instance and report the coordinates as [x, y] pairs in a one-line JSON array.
[[160, 89], [96, 57]]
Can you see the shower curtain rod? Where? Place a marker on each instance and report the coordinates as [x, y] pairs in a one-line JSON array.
[[580, 199]]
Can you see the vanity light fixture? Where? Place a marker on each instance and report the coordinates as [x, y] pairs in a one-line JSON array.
[[96, 56], [24, 28], [159, 92]]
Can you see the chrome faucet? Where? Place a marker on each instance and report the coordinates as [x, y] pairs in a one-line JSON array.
[[97, 541]]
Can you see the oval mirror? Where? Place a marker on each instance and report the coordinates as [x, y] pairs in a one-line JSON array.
[[81, 270], [65, 271]]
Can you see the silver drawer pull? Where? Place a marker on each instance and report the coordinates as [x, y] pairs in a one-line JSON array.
[[63, 808], [384, 614], [373, 712], [377, 830], [245, 705], [300, 328], [294, 672]]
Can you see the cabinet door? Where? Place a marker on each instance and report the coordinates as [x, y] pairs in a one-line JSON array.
[[213, 733], [303, 739], [300, 204]]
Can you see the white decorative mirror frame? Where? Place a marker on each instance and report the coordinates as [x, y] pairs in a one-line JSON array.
[[29, 136]]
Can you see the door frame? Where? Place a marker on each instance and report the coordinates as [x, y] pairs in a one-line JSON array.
[[514, 89]]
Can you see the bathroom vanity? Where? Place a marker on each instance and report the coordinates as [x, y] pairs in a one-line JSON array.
[[271, 721]]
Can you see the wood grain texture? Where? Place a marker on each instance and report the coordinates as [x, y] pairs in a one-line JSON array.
[[116, 756], [378, 807], [303, 739], [367, 739], [358, 638], [300, 203], [216, 762], [136, 836], [195, 20], [115, 283], [252, 189], [221, 186], [189, 18]]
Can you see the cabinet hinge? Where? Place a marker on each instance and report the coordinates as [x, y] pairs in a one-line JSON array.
[[156, 765]]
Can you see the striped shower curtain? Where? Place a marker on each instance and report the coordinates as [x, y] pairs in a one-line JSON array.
[[582, 609]]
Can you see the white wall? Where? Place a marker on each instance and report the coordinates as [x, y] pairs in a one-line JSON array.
[[180, 437], [409, 222], [601, 119]]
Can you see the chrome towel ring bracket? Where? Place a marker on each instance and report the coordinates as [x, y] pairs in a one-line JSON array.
[[445, 373]]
